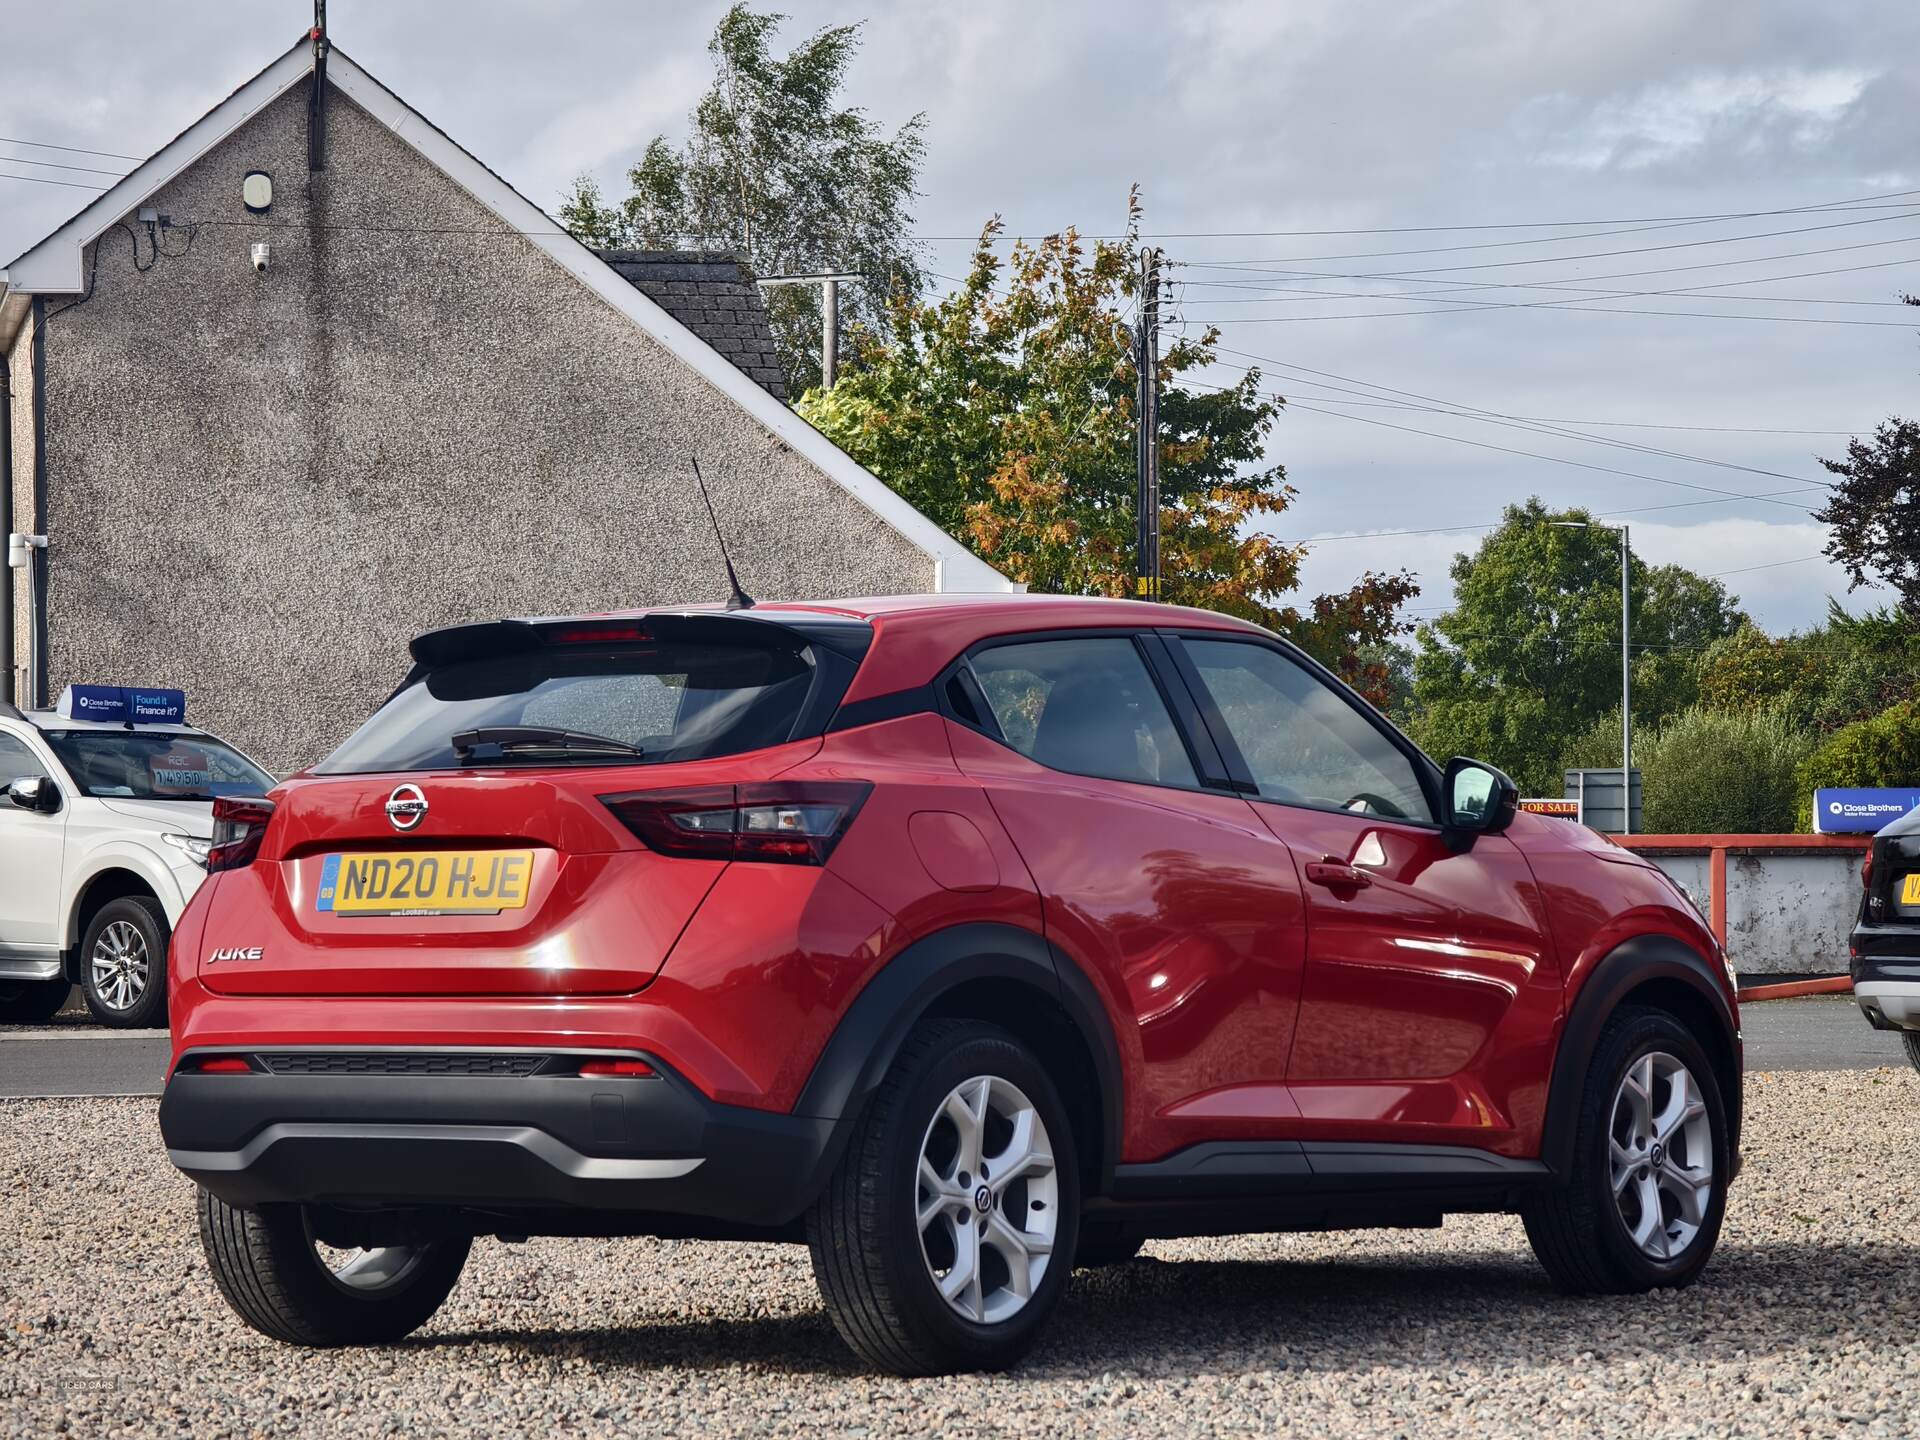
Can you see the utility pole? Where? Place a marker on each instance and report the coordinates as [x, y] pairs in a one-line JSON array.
[[1147, 499], [829, 284]]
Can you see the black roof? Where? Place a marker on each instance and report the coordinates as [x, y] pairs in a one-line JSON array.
[[711, 293]]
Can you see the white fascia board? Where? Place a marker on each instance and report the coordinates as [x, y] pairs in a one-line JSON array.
[[54, 266], [956, 568]]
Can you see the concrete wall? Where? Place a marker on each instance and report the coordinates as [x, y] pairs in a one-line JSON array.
[[262, 486], [1786, 913]]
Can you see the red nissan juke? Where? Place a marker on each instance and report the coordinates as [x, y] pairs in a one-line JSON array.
[[965, 939]]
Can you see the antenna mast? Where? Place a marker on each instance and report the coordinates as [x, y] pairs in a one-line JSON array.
[[738, 599]]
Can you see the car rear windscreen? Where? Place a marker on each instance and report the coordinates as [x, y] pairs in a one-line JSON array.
[[671, 700]]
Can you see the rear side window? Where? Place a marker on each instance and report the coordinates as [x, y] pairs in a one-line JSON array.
[[1087, 706], [671, 700]]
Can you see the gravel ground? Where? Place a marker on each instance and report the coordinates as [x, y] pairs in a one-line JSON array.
[[1807, 1323]]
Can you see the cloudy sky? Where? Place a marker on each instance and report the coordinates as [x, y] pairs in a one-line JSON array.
[[1527, 170]]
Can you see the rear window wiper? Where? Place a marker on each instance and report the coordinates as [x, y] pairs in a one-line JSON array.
[[538, 739]]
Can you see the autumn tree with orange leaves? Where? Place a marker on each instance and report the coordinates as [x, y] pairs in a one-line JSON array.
[[1004, 410]]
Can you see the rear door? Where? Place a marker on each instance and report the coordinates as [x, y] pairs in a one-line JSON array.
[[1425, 953], [459, 843], [1181, 906], [32, 845]]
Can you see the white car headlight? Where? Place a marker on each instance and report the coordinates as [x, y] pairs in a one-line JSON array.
[[195, 847]]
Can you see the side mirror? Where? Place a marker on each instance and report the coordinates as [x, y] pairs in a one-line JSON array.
[[34, 792], [1480, 800]]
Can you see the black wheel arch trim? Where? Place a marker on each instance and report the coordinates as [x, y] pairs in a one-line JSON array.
[[1623, 970], [869, 1036]]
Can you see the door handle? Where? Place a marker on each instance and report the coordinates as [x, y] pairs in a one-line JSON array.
[[1337, 875]]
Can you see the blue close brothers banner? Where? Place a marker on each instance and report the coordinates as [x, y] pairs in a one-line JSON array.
[[1861, 812], [123, 704]]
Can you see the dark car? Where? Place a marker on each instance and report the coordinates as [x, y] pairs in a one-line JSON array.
[[962, 939], [1885, 944]]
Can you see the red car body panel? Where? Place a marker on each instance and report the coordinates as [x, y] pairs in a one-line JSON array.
[[1245, 1000]]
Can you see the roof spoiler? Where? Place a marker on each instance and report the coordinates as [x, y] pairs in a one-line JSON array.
[[843, 634]]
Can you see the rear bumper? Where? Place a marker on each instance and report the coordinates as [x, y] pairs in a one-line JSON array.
[[1887, 987], [501, 1144]]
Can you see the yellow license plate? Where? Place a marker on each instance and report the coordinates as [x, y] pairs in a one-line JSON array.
[[437, 882], [1910, 892]]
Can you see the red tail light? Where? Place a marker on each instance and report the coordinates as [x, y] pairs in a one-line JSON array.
[[790, 823], [636, 1068], [222, 1065], [1866, 869], [239, 825]]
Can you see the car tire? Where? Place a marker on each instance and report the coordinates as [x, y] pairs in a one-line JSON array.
[[1911, 1039], [1657, 1226], [1097, 1254], [32, 1002], [268, 1268], [123, 963], [886, 1239]]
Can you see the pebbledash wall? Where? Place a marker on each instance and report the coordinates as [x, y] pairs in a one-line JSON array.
[[261, 485]]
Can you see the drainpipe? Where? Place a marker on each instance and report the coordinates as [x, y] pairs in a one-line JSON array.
[[6, 526], [37, 571]]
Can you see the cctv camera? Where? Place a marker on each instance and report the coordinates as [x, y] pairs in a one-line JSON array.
[[260, 257]]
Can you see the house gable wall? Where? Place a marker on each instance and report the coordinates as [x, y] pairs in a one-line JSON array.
[[260, 486]]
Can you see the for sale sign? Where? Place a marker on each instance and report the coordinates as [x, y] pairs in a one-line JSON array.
[[1559, 809]]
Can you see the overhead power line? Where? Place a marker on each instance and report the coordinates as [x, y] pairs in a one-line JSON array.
[[1860, 202], [57, 165], [1463, 411], [45, 180], [69, 149]]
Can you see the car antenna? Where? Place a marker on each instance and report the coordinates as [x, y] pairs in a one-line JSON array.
[[739, 599]]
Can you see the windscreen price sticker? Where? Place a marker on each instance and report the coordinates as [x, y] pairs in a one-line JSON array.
[[184, 772]]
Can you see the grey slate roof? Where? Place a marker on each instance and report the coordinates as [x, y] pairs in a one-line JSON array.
[[711, 293]]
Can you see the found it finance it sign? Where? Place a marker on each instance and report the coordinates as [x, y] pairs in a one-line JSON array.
[[1858, 812]]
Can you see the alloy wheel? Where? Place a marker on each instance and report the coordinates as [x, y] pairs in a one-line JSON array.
[[987, 1199], [120, 965], [1661, 1149], [364, 1271]]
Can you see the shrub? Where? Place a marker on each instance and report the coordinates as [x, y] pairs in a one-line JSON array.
[[1881, 750], [1709, 772], [1725, 773]]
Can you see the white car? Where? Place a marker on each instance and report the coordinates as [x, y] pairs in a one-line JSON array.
[[103, 828]]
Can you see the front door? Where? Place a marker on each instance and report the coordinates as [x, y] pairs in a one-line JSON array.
[[1183, 909], [31, 848], [1428, 967]]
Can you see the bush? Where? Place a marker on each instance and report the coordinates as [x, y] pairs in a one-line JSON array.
[[1882, 750], [1709, 772]]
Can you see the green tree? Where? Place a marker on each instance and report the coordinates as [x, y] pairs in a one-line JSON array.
[[1875, 510], [1882, 750], [1529, 655], [1751, 670], [775, 169], [1005, 411]]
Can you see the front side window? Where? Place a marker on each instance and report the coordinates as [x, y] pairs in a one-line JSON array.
[[1086, 706], [1304, 744], [143, 765], [17, 762]]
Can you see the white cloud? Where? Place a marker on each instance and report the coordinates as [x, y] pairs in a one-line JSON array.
[[1662, 123]]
